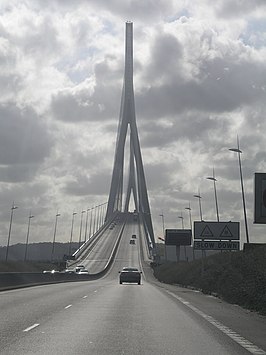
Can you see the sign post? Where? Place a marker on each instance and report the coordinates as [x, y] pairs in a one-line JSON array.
[[174, 238]]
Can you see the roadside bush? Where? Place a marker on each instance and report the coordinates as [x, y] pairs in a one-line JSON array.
[[237, 277]]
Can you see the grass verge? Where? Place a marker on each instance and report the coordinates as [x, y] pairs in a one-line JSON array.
[[236, 277]]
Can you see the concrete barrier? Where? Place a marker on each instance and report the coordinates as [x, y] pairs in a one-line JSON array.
[[13, 280]]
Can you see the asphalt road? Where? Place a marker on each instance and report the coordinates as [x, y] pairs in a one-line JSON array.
[[103, 317]]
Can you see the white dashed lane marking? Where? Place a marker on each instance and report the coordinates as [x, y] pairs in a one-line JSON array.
[[70, 305], [31, 327]]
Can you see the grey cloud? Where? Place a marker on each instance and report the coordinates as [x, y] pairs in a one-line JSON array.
[[73, 107], [218, 91], [24, 139], [101, 104], [42, 40], [95, 184], [236, 8], [166, 54], [18, 173], [127, 9], [162, 180], [194, 127]]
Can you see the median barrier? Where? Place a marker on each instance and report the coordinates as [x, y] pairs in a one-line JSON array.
[[13, 280]]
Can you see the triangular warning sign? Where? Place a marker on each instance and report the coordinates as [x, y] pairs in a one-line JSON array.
[[206, 233], [226, 233]]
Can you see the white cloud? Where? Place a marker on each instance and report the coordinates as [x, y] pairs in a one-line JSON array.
[[199, 70]]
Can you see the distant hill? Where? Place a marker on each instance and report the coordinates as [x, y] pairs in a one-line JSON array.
[[37, 251]]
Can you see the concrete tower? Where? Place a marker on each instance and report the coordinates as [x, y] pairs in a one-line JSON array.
[[136, 181]]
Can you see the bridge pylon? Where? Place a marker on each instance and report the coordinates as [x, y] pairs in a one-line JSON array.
[[136, 180]]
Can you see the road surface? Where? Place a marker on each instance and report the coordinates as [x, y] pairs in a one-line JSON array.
[[104, 317]]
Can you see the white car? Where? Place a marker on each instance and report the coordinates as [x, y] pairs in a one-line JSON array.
[[83, 272]]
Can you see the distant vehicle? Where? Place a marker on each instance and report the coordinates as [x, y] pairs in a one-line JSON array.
[[79, 268], [50, 272], [130, 274], [132, 241], [83, 272], [134, 236], [68, 271]]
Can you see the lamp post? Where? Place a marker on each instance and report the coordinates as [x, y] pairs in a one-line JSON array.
[[27, 238], [71, 233], [200, 209], [86, 225], [185, 249], [182, 220], [90, 223], [212, 178], [190, 220], [238, 151], [9, 231], [94, 220], [103, 212], [189, 214], [98, 218], [80, 229], [162, 215], [55, 227]]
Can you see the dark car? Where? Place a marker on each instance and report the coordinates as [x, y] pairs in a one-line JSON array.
[[132, 241], [130, 274], [134, 236]]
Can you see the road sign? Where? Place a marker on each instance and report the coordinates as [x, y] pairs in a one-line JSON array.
[[260, 198], [178, 237], [216, 245], [216, 230]]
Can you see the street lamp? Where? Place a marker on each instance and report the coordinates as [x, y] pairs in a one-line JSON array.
[[189, 213], [190, 220], [98, 218], [162, 215], [199, 197], [27, 238], [238, 151], [103, 212], [9, 232], [55, 226], [71, 233], [94, 220], [182, 220], [86, 225], [212, 178], [80, 229], [90, 230]]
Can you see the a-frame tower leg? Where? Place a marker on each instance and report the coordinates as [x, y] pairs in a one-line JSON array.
[[136, 170]]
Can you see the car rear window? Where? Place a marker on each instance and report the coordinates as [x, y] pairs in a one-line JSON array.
[[130, 269]]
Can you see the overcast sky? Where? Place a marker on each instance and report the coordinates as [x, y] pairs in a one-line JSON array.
[[199, 79]]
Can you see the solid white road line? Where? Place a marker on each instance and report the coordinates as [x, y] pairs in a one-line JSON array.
[[246, 344], [31, 327]]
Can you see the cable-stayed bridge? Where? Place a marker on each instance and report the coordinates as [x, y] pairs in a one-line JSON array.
[[103, 317], [136, 194]]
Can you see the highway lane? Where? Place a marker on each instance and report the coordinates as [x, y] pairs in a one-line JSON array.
[[97, 256], [103, 317]]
